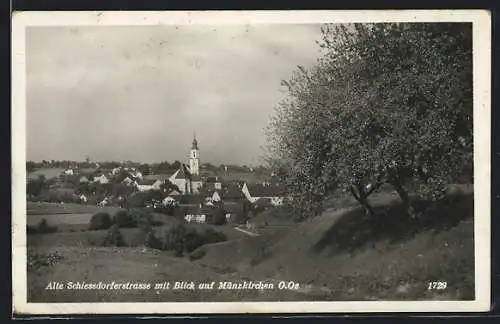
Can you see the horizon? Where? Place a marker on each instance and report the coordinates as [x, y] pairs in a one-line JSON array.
[[139, 93]]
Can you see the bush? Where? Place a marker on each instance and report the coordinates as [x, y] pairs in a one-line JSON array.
[[124, 219], [114, 237], [38, 260], [100, 221], [174, 239], [152, 241], [197, 254], [262, 254], [219, 217], [192, 240], [41, 228], [212, 236]]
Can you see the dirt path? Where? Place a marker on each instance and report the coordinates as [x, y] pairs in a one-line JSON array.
[[246, 232]]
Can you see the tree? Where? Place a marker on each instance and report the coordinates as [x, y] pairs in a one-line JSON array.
[[124, 219], [114, 237], [174, 239], [35, 186], [145, 169], [100, 221], [219, 216], [176, 165], [386, 103]]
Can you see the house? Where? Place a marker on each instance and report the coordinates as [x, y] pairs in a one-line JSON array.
[[174, 193], [137, 174], [128, 181], [83, 179], [234, 212], [215, 197], [106, 201], [145, 185], [83, 198], [116, 171], [201, 214], [69, 172], [273, 192], [101, 179], [232, 193], [167, 201]]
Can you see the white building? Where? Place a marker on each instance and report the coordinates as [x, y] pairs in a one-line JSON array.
[[266, 190], [188, 179], [101, 179]]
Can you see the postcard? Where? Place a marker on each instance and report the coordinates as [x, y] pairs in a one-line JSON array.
[[251, 162]]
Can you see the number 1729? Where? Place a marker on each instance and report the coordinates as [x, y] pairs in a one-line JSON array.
[[437, 285]]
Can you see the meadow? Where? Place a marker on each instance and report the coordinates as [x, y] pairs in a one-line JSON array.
[[340, 255], [48, 173]]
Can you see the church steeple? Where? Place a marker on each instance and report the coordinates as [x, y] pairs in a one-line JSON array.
[[194, 160], [195, 143]]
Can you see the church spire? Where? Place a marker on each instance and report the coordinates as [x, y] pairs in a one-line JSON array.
[[195, 142]]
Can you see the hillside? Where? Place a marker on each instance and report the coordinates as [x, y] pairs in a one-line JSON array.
[[342, 255]]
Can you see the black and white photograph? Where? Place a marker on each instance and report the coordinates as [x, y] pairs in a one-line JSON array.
[[239, 162]]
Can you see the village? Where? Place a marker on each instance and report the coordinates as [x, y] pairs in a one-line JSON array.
[[192, 192]]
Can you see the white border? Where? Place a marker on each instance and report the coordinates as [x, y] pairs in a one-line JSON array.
[[481, 20]]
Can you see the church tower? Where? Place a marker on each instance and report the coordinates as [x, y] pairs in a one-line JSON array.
[[194, 159]]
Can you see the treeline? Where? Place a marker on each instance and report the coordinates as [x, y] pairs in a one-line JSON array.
[[144, 168], [385, 105]]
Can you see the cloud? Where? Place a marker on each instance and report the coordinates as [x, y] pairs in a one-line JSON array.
[[139, 93]]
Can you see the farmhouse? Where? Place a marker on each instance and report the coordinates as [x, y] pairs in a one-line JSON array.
[[145, 185], [254, 192], [84, 179], [101, 179], [128, 181], [69, 172], [198, 214], [167, 201], [232, 193]]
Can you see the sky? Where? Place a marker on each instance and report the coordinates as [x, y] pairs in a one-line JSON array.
[[140, 93]]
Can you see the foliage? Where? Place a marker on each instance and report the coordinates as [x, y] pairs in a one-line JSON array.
[[181, 239], [219, 216], [99, 221], [114, 237], [386, 103], [41, 228], [34, 187], [39, 260], [124, 219], [152, 241], [174, 239], [197, 254]]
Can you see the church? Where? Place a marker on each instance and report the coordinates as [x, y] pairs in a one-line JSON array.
[[187, 178]]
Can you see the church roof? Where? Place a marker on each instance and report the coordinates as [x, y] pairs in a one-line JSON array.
[[183, 173], [146, 182], [270, 190]]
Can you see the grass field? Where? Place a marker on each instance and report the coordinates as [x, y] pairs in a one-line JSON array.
[[46, 208], [47, 172], [340, 255]]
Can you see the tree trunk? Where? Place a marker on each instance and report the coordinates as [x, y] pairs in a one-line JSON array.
[[405, 198], [363, 201]]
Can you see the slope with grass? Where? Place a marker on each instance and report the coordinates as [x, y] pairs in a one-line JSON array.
[[340, 255]]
